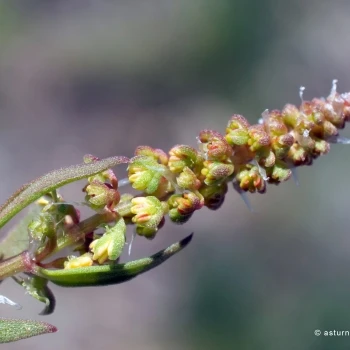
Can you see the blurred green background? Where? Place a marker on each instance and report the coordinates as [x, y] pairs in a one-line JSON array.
[[103, 77]]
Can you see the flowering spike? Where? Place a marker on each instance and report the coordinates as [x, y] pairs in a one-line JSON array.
[[180, 183]]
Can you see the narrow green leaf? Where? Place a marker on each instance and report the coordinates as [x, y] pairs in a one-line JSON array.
[[13, 329], [35, 189], [112, 273]]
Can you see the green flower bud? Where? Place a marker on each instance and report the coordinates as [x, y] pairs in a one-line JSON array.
[[145, 173], [298, 155], [266, 157], [100, 195], [159, 155], [258, 138], [188, 180], [281, 145], [238, 137], [178, 218], [279, 173], [182, 156], [237, 121], [182, 206], [216, 171], [149, 212], [290, 115], [111, 244], [146, 232], [321, 147]]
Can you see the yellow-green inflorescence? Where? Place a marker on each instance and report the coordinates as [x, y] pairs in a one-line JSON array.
[[177, 183]]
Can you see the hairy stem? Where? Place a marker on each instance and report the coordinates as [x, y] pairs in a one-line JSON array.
[[15, 265], [35, 189]]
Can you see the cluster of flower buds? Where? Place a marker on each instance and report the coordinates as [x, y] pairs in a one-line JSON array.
[[101, 190], [250, 156], [177, 183]]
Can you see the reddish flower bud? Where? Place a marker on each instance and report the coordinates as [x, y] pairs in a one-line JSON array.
[[258, 138], [182, 156], [216, 171], [250, 179], [156, 153], [215, 146], [182, 206]]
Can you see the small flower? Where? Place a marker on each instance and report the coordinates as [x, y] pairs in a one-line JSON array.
[[290, 115], [183, 206], [216, 171], [281, 139], [158, 154], [149, 212], [145, 173], [111, 244], [215, 146], [237, 131], [250, 179], [80, 261], [188, 180], [182, 156], [299, 155], [258, 138], [100, 195], [278, 173]]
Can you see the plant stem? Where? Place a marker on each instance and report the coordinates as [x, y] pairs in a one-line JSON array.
[[78, 232], [19, 263]]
